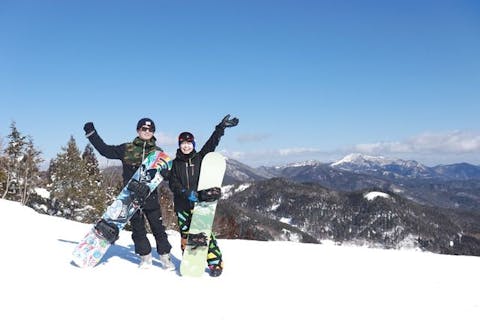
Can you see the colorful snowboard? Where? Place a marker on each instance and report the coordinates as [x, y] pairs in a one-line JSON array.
[[93, 246], [194, 258]]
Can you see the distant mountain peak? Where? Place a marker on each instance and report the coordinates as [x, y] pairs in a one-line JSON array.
[[359, 159], [300, 164]]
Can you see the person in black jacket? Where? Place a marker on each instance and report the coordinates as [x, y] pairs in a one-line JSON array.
[[183, 182], [132, 155]]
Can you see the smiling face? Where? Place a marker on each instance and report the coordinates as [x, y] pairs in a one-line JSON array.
[[186, 142], [145, 133], [186, 147]]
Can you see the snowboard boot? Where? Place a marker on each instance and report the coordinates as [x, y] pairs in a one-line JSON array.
[[145, 261], [167, 263], [215, 270]]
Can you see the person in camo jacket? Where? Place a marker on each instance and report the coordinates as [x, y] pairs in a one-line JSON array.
[[183, 182], [131, 155]]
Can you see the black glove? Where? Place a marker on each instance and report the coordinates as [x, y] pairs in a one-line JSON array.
[[165, 174], [209, 195], [140, 191], [89, 128], [227, 122]]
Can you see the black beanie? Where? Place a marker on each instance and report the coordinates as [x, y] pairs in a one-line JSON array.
[[186, 136], [146, 122]]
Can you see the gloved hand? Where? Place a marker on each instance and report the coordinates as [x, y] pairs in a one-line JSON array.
[[165, 174], [193, 196], [210, 195], [89, 128], [140, 191], [227, 122]]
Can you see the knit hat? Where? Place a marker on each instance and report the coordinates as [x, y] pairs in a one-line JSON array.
[[186, 136], [146, 122]]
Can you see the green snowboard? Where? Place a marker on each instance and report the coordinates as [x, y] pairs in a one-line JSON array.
[[195, 255]]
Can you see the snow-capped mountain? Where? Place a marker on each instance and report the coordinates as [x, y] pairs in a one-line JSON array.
[[382, 166], [358, 159], [449, 186]]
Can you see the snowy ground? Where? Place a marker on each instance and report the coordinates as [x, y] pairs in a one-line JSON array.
[[262, 280]]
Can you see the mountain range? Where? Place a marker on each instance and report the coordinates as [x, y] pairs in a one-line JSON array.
[[433, 208], [455, 186]]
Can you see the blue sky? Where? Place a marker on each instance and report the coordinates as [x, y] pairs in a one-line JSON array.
[[307, 79]]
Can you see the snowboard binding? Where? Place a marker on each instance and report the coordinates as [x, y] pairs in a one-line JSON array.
[[209, 195], [197, 240], [140, 191], [107, 230]]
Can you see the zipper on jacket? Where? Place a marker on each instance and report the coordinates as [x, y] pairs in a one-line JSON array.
[[186, 173], [143, 152]]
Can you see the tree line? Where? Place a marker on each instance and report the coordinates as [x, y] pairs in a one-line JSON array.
[[73, 187]]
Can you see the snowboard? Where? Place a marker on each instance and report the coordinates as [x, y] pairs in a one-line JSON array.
[[104, 233], [195, 254]]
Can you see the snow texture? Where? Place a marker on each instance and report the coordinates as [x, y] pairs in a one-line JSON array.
[[261, 280]]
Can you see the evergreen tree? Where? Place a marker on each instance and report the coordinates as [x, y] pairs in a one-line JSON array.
[[19, 167], [31, 170], [91, 161], [96, 191], [12, 164], [69, 183]]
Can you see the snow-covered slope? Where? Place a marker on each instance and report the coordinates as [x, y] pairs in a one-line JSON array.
[[262, 280]]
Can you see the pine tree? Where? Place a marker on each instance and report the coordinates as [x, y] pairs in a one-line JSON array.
[[12, 164], [96, 191], [69, 183], [19, 167], [31, 170]]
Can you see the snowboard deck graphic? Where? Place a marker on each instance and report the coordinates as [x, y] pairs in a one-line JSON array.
[[194, 258], [94, 245]]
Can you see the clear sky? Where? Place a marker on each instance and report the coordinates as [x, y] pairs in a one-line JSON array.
[[309, 80]]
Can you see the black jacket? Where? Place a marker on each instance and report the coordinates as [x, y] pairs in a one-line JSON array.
[[118, 152], [186, 170]]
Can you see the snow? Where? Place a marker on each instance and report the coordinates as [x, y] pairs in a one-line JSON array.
[[358, 158], [262, 280], [42, 192], [243, 187], [229, 190], [374, 194], [286, 220]]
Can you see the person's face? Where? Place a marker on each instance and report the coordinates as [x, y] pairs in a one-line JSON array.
[[145, 133], [186, 147]]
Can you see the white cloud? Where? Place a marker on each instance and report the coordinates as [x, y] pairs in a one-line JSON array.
[[427, 143], [428, 148]]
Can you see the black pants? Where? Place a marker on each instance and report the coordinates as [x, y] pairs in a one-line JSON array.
[[139, 232]]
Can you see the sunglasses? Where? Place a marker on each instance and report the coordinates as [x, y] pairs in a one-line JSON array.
[[145, 129]]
